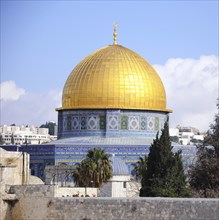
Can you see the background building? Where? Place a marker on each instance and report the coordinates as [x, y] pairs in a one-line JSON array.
[[186, 135], [20, 134]]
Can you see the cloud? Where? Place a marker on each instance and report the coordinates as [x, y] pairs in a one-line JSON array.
[[31, 108], [192, 90], [9, 91]]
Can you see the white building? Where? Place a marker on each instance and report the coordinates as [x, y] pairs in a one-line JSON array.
[[117, 186], [186, 135], [21, 134], [174, 132]]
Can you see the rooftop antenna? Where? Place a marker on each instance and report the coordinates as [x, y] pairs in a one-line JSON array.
[[115, 33]]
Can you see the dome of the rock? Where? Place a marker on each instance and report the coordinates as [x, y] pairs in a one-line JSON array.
[[113, 92]]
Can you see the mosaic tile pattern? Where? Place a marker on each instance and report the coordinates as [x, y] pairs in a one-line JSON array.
[[83, 123], [143, 123], [75, 123], [113, 122], [60, 122], [156, 124], [92, 123], [102, 122], [110, 123], [133, 123], [65, 123], [150, 123], [69, 123], [124, 122]]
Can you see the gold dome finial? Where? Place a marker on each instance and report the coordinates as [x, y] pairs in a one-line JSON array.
[[115, 34]]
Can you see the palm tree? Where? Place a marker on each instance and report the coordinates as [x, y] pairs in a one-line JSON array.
[[140, 167], [93, 170]]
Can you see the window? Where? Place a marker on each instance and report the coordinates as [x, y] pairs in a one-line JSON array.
[[124, 184]]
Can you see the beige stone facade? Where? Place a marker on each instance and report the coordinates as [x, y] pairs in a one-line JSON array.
[[14, 168]]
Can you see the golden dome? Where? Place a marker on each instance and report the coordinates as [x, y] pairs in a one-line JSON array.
[[114, 77]]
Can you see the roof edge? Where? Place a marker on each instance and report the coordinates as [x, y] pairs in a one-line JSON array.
[[91, 108]]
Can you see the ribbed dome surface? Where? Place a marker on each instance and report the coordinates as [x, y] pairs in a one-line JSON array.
[[118, 166], [114, 77]]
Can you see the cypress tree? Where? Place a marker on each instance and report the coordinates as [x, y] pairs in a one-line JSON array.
[[204, 174], [165, 175]]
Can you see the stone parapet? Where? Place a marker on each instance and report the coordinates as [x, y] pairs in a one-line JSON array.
[[116, 208], [33, 190]]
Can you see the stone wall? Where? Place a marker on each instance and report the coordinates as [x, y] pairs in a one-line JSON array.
[[71, 191], [38, 202], [51, 191], [115, 208], [33, 191]]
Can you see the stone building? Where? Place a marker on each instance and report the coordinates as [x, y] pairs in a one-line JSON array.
[[120, 185], [14, 168], [21, 134]]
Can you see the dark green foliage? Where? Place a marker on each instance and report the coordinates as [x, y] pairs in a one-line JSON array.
[[174, 139], [204, 175], [212, 137], [93, 170], [50, 126], [26, 141], [196, 141], [165, 175], [1, 140], [140, 167], [12, 138]]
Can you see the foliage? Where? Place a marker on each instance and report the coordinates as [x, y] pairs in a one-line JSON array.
[[204, 175], [174, 139], [50, 126], [196, 141], [12, 138], [212, 137], [140, 167], [93, 170], [164, 175], [1, 140]]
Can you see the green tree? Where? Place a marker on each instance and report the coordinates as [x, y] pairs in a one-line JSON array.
[[164, 175], [140, 167], [196, 141], [12, 138], [93, 170], [50, 126], [204, 174], [1, 140], [174, 139]]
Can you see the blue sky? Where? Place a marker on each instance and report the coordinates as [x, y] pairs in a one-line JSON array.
[[42, 41]]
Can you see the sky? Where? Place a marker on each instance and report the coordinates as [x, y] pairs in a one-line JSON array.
[[42, 41]]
